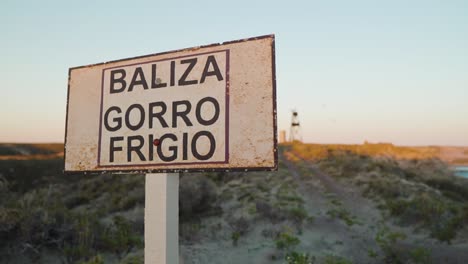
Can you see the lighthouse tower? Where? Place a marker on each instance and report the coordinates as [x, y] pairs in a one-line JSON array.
[[295, 130]]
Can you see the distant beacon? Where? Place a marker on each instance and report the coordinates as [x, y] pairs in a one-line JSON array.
[[295, 130]]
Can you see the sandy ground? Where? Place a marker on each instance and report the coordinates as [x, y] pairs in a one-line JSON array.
[[324, 236]]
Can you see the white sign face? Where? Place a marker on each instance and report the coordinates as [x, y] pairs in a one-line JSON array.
[[206, 108]]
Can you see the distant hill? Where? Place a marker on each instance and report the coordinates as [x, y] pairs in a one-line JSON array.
[[30, 151], [448, 154]]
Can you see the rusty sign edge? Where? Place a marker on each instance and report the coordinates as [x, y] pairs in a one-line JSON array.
[[274, 167]]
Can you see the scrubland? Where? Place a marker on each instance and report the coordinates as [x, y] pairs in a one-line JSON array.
[[371, 203]]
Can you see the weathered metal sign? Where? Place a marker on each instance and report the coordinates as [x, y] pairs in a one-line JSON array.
[[204, 108]]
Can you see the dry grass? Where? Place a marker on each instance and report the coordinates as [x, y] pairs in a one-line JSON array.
[[319, 151], [460, 161]]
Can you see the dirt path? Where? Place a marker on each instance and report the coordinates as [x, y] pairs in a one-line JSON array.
[[330, 184], [370, 217], [341, 214], [349, 196]]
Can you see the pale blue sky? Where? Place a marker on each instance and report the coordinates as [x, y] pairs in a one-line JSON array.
[[382, 71]]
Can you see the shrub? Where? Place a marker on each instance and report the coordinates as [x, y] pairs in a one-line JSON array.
[[26, 175], [240, 225], [286, 241], [344, 215], [298, 214], [94, 260], [267, 211], [119, 237], [235, 237], [371, 253], [387, 242], [80, 240], [3, 185], [299, 258], [76, 200], [222, 177], [9, 220], [197, 196], [130, 201], [420, 255], [387, 189], [189, 230], [445, 228], [331, 259], [439, 217], [134, 258], [449, 187]]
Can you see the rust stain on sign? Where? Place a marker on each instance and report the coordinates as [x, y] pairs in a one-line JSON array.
[[209, 108]]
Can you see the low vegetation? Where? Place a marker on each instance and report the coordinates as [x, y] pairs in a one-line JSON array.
[[299, 258], [99, 219], [42, 219], [420, 191], [286, 241]]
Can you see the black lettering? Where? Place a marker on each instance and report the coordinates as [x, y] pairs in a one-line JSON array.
[[158, 115], [117, 120], [183, 114], [184, 76], [211, 60], [154, 79], [171, 148], [212, 145], [115, 80], [151, 147], [199, 115], [141, 79], [172, 73], [113, 148], [184, 146], [137, 149], [141, 120]]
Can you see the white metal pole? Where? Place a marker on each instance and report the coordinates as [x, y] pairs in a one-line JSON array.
[[162, 218]]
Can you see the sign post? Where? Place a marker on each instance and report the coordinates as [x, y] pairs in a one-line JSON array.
[[209, 108], [162, 218]]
